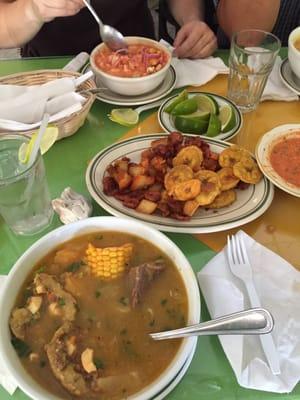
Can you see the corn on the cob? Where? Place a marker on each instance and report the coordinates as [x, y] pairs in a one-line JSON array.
[[109, 262]]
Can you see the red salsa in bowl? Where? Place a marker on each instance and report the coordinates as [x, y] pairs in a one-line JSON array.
[[140, 60]]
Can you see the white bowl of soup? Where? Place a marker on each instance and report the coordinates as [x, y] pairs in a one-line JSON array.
[[294, 51], [136, 72], [78, 306]]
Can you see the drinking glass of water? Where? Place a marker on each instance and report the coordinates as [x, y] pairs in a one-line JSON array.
[[25, 203], [252, 57]]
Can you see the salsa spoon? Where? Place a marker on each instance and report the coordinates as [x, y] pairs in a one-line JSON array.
[[255, 321], [110, 36]]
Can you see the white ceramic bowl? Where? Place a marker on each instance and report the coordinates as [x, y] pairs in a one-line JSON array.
[[293, 53], [132, 86], [24, 265]]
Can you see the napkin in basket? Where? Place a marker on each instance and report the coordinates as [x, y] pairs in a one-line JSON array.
[[199, 72], [27, 104], [278, 286], [6, 380]]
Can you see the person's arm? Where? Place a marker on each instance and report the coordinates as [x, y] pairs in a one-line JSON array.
[[194, 39], [235, 15], [20, 20]]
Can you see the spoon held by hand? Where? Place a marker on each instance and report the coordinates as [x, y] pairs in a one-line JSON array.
[[110, 36]]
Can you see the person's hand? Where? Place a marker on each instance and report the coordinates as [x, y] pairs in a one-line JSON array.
[[47, 10], [195, 40]]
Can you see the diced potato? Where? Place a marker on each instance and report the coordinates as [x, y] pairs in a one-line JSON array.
[[123, 179], [190, 207], [141, 182], [146, 206], [136, 169], [122, 165]]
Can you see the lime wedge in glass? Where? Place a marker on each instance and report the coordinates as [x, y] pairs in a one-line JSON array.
[[227, 118], [48, 139], [207, 103], [214, 126], [124, 116]]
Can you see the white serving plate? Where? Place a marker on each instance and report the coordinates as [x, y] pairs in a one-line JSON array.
[[249, 205]]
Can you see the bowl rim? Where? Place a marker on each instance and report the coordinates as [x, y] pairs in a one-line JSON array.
[[23, 266], [127, 78]]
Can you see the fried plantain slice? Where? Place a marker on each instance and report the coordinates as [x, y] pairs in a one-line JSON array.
[[178, 174], [191, 156], [187, 190], [247, 170], [223, 199], [210, 186], [232, 155], [227, 178]]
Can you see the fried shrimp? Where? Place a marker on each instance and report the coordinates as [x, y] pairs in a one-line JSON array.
[[187, 190], [210, 187], [232, 155], [247, 170], [227, 178], [178, 174], [191, 156], [190, 207], [223, 199]]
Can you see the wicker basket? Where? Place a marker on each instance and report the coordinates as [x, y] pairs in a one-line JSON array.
[[67, 125]]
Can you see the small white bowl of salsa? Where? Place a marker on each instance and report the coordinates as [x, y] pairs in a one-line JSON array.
[[141, 69]]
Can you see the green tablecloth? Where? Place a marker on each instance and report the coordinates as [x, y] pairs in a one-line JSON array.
[[210, 375]]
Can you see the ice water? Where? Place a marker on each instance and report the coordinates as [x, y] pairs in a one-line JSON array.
[[252, 56], [24, 196], [245, 88]]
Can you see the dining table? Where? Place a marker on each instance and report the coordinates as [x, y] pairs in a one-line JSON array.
[[210, 375]]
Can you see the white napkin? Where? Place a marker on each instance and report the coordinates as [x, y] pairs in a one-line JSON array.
[[278, 286], [275, 89], [6, 380], [199, 72], [195, 72], [27, 104]]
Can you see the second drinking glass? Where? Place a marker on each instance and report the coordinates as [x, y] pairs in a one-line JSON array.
[[252, 57]]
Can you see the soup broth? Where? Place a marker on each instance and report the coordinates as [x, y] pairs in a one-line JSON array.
[[81, 326], [297, 44]]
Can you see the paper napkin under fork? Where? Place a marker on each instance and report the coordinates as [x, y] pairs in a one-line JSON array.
[[278, 286]]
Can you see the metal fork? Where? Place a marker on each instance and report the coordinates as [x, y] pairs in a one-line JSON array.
[[240, 266]]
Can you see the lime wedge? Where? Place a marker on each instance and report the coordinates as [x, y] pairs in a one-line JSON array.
[[207, 103], [178, 99], [214, 126], [227, 118], [48, 139], [190, 125], [198, 114], [124, 116]]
